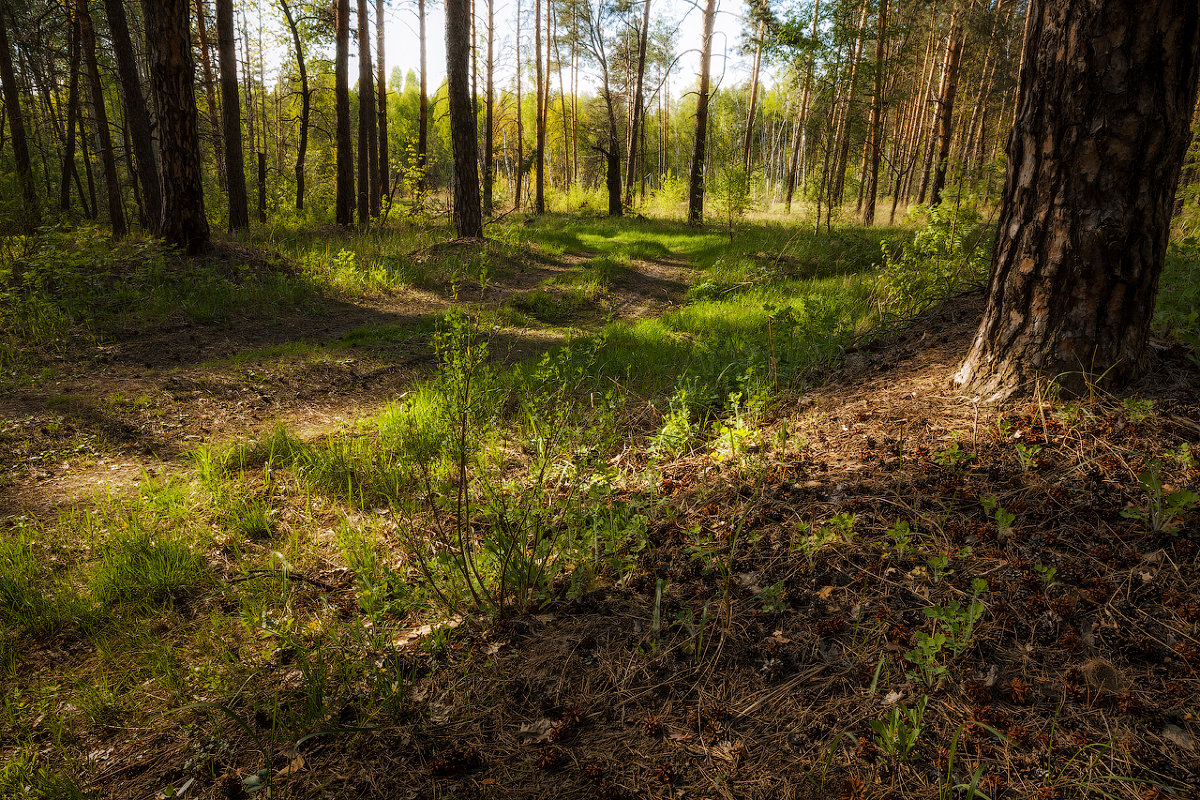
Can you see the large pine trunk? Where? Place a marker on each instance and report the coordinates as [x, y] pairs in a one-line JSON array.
[[344, 212], [696, 175], [231, 119], [1105, 103], [468, 219], [137, 117], [172, 81]]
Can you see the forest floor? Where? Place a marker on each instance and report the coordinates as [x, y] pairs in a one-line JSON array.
[[138, 403], [863, 586]]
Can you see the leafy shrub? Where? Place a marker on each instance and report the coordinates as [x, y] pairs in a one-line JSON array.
[[948, 254]]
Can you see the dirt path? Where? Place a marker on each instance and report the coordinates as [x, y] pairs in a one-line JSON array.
[[105, 417]]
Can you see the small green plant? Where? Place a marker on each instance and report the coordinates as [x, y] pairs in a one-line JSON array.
[[772, 598], [1004, 519], [839, 529], [1047, 573], [1163, 510], [1138, 410], [678, 431], [1027, 454], [1183, 455], [954, 626], [939, 567], [900, 537], [897, 733], [954, 456]]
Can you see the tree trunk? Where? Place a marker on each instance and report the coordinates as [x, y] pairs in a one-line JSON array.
[[489, 108], [631, 156], [381, 92], [209, 88], [696, 176], [468, 219], [367, 169], [345, 151], [108, 158], [1107, 91], [748, 140], [136, 114], [16, 127], [423, 105], [872, 188], [305, 104], [800, 136], [68, 160], [519, 182], [231, 119], [954, 48], [539, 154], [172, 81]]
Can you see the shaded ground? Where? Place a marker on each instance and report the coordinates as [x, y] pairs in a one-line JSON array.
[[758, 637], [140, 402]]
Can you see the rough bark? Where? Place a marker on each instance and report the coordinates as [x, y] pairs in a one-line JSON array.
[[1107, 91], [384, 171], [231, 119], [172, 82], [696, 175], [137, 117], [345, 153], [16, 128], [468, 219], [366, 119], [108, 157]]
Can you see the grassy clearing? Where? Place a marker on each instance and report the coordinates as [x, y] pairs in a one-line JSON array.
[[345, 589]]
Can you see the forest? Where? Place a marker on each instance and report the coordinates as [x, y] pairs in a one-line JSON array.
[[600, 399]]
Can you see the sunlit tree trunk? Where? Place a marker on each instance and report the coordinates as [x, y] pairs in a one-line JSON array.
[[468, 218], [231, 118], [696, 176], [345, 152], [1106, 97], [305, 104], [489, 109], [946, 97], [172, 81], [422, 105], [872, 187], [539, 153], [367, 170], [632, 155], [381, 91]]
